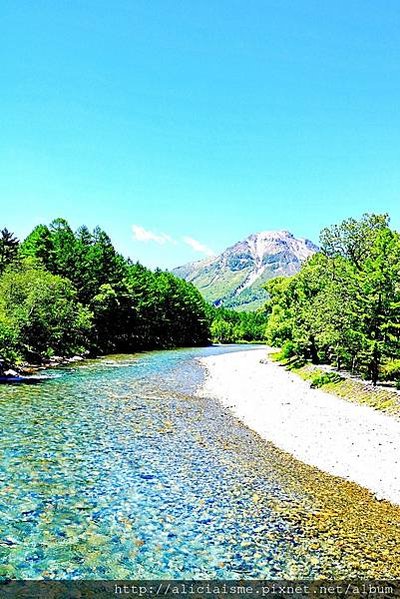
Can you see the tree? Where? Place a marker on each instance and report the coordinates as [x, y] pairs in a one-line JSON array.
[[39, 244], [129, 306], [8, 248], [43, 312], [380, 300], [353, 239], [230, 326], [343, 306]]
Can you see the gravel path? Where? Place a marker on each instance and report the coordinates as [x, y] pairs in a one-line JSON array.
[[355, 442]]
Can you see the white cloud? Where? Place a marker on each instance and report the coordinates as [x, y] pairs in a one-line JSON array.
[[145, 235], [197, 246], [142, 234]]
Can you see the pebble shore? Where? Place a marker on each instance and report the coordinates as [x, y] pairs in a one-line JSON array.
[[351, 441]]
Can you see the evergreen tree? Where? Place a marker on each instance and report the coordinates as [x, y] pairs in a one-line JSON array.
[[8, 248]]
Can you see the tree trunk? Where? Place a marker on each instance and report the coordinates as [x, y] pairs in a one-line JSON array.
[[374, 366], [313, 351]]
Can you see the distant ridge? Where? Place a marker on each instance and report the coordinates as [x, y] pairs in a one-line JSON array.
[[234, 279]]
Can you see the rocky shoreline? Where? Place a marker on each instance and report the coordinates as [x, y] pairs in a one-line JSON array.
[[28, 372], [348, 440]]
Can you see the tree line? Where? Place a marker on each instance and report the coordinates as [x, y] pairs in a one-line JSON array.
[[65, 292], [230, 326], [343, 307]]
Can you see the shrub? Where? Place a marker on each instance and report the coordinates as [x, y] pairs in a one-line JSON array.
[[9, 353], [390, 371], [288, 350], [324, 378]]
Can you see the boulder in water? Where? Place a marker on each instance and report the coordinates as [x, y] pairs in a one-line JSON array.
[[11, 373]]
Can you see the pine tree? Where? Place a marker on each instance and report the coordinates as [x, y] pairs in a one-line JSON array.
[[8, 248]]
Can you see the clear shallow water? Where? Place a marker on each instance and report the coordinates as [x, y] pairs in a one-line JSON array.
[[114, 469]]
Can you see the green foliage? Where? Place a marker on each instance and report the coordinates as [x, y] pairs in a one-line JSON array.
[[321, 379], [222, 331], [343, 307], [88, 260], [72, 292], [167, 311], [39, 245], [40, 313], [230, 326], [8, 249], [352, 239], [390, 371], [9, 345], [288, 350], [249, 299]]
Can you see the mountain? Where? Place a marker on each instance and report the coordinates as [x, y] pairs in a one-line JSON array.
[[234, 279]]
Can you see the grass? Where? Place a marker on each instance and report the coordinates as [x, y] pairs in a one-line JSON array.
[[350, 389]]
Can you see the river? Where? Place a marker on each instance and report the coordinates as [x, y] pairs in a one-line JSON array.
[[114, 468]]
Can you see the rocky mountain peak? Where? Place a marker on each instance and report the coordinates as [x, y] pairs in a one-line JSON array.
[[235, 278]]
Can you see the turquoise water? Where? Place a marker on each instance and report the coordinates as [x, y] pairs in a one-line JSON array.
[[114, 469]]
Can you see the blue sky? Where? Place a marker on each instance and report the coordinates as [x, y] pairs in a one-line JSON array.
[[198, 121]]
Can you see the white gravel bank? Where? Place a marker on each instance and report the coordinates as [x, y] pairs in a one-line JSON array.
[[339, 437]]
